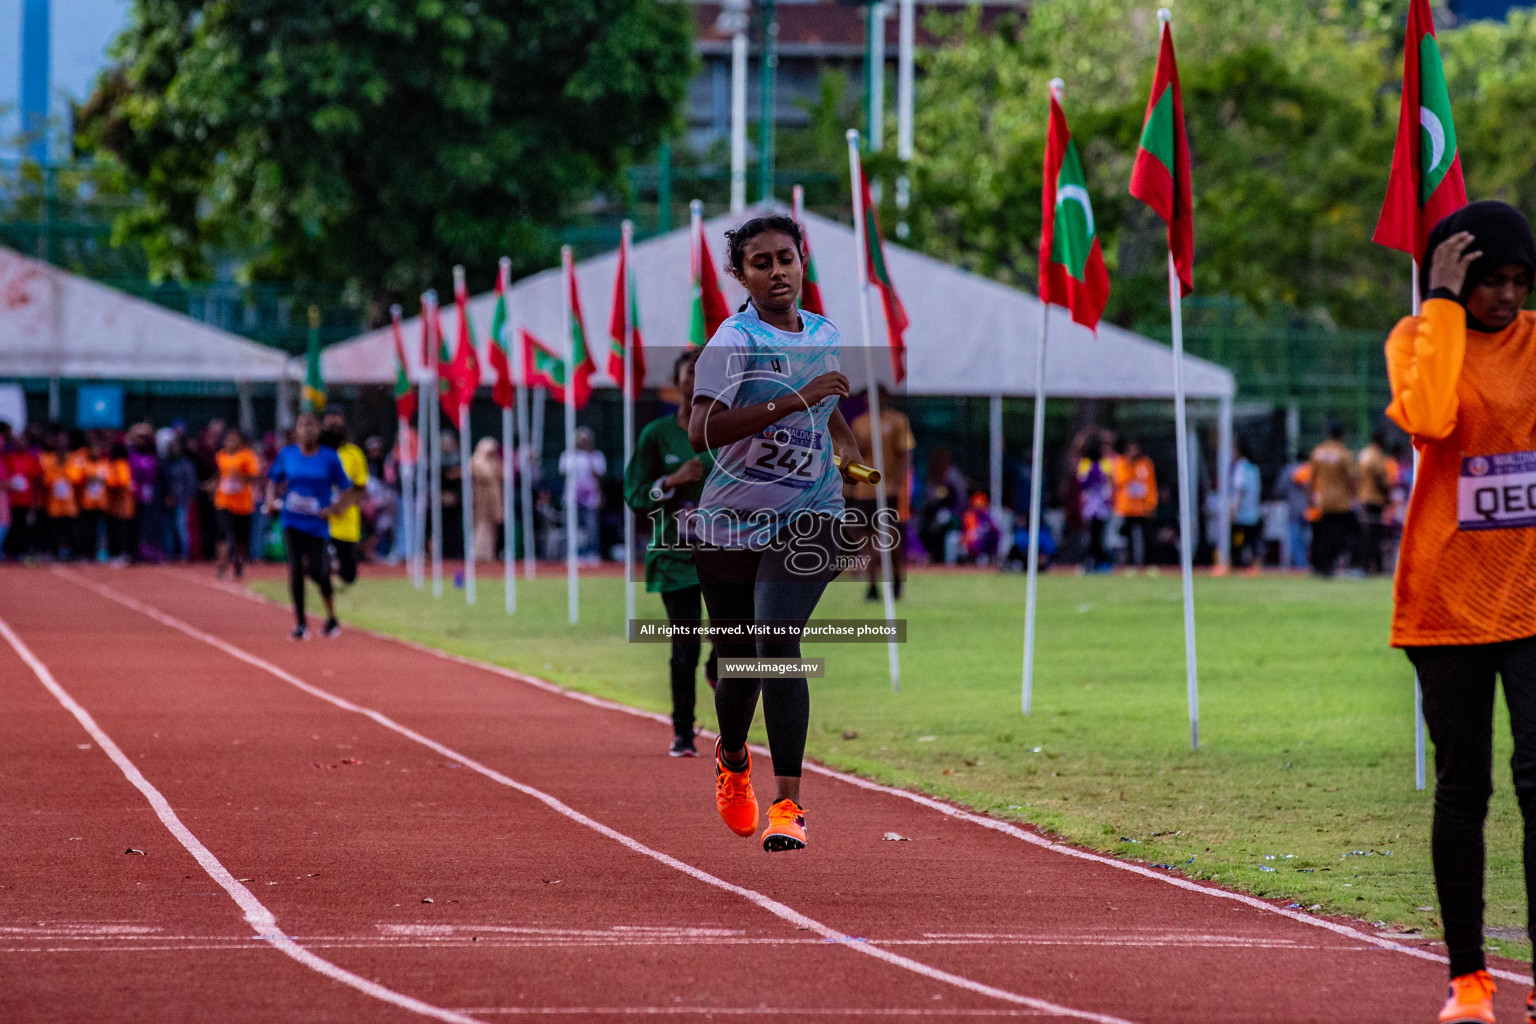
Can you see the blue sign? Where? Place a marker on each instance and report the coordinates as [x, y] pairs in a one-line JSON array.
[[99, 405]]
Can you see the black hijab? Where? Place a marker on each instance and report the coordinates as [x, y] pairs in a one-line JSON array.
[[1498, 229]]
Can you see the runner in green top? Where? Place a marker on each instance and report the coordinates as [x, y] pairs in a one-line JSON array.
[[665, 478]]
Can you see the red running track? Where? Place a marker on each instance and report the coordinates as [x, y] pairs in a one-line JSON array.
[[361, 830]]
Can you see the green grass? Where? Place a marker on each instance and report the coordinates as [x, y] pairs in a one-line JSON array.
[[1306, 719]]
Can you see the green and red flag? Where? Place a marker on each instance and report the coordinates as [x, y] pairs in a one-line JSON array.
[[879, 275], [1426, 182], [1160, 177], [582, 365], [498, 351], [465, 368], [1072, 272], [405, 393], [709, 306], [432, 336], [313, 398], [544, 368], [625, 318], [810, 290]]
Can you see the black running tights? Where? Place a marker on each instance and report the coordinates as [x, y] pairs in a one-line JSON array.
[[1458, 685], [307, 556], [746, 586]]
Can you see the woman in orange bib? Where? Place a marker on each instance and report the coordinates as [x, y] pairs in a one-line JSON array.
[[1464, 605]]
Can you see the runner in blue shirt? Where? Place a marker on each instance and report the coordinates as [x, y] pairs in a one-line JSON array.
[[313, 487], [766, 389]]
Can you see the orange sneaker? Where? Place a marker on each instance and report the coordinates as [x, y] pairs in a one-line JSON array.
[[786, 827], [1469, 999], [1530, 1007], [734, 796]]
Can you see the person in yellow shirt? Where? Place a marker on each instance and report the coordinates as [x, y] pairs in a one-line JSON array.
[[347, 525], [234, 500], [1135, 499]]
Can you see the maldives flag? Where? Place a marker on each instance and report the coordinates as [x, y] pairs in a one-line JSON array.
[[581, 355], [500, 357], [1426, 183], [543, 368], [1072, 270], [465, 368], [1160, 177], [709, 306], [626, 314], [405, 394], [810, 290], [447, 383], [896, 322]]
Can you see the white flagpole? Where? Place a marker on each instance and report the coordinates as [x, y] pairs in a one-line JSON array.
[[418, 494], [508, 521], [403, 522], [861, 255], [530, 455], [435, 421], [466, 450], [1186, 553], [567, 272], [1418, 689], [1036, 484], [627, 236]]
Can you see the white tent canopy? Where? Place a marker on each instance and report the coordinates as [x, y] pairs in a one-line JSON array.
[[969, 335], [54, 324]]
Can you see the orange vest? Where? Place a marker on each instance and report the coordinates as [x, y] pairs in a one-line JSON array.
[[1465, 577], [1135, 487], [60, 476]]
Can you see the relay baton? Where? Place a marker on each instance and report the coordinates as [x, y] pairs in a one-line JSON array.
[[857, 470]]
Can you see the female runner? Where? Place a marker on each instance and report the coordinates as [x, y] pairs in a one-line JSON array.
[[1464, 385], [765, 396], [310, 477]]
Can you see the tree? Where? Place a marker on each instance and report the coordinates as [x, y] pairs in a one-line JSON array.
[[371, 144], [1292, 108]]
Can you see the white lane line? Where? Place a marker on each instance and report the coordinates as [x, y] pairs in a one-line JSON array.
[[996, 825], [261, 920], [772, 906], [811, 1013]]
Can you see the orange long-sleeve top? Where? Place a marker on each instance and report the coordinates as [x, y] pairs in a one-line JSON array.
[[120, 503], [1467, 571], [93, 488], [60, 478]]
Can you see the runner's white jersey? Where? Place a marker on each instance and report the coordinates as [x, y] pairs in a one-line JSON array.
[[759, 481]]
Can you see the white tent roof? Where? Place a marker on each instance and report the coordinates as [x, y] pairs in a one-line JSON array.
[[55, 324], [969, 335]]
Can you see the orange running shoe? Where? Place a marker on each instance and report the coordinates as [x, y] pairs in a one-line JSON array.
[[786, 827], [734, 796], [1530, 1007], [1469, 999]]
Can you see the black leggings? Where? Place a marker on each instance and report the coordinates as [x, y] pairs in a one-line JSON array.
[[1458, 684], [346, 560], [781, 584], [307, 556], [683, 607]]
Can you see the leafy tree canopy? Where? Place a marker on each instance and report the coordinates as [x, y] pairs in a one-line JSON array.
[[371, 144], [1292, 110]]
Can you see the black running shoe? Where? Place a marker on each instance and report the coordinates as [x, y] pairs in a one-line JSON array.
[[682, 746], [332, 629], [299, 633]]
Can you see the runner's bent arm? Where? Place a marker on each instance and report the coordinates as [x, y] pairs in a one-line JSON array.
[[713, 424]]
